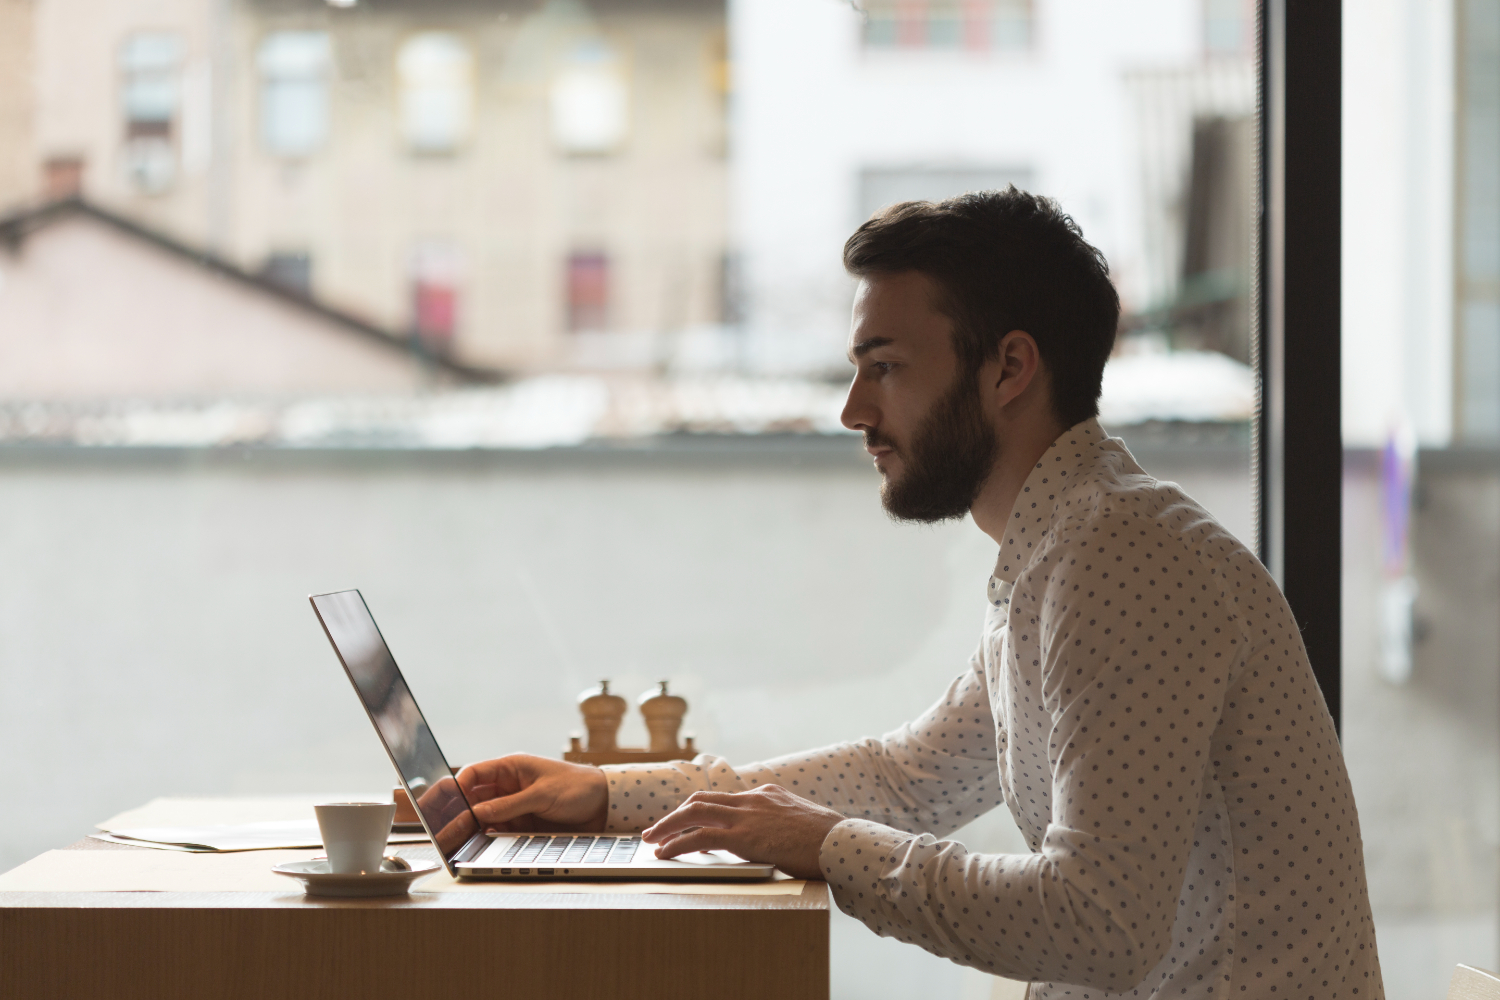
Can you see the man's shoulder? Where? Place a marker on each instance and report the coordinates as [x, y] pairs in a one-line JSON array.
[[1116, 511]]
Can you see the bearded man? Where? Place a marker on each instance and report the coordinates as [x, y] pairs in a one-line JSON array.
[[1140, 699]]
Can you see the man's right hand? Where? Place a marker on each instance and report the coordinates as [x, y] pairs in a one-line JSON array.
[[522, 793]]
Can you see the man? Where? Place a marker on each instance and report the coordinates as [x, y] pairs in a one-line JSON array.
[[1140, 699]]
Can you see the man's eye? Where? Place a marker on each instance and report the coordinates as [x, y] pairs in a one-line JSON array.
[[883, 366]]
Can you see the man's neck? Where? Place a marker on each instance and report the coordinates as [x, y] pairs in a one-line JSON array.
[[1022, 445]]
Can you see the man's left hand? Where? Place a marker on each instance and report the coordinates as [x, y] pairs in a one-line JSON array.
[[770, 825]]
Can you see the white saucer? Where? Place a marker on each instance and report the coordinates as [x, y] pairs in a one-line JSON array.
[[395, 877]]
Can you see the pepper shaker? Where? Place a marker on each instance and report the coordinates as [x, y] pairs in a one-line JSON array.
[[602, 714], [663, 714]]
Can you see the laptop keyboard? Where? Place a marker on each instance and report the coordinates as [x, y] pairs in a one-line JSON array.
[[567, 850]]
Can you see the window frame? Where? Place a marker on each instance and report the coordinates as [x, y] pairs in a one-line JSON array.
[[1297, 454]]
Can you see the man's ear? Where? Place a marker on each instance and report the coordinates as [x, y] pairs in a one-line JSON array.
[[1015, 367]]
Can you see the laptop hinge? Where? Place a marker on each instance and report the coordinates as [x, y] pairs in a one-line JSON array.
[[472, 849]]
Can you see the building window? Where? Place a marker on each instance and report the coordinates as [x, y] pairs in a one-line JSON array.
[[151, 67], [1229, 27], [289, 271], [588, 292], [718, 80], [436, 270], [435, 71], [294, 68], [590, 101], [62, 177], [731, 288], [974, 25]]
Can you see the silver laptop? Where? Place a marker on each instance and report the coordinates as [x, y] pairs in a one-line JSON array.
[[461, 841]]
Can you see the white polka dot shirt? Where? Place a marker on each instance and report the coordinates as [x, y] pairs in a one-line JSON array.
[[1142, 703]]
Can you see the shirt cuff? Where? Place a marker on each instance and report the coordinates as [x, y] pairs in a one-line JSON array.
[[854, 857], [641, 794]]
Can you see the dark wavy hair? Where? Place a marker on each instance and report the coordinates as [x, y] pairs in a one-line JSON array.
[[1005, 260]]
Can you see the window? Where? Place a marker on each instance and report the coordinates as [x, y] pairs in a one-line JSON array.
[[1421, 477], [588, 292], [718, 79], [62, 177], [436, 267], [629, 217], [291, 271], [151, 65], [731, 291], [975, 25], [590, 101], [1212, 311], [294, 68], [1477, 217], [435, 71]]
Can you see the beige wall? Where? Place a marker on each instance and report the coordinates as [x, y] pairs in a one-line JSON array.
[[89, 312], [511, 203], [18, 166]]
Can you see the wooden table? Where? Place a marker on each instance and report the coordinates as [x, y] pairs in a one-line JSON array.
[[432, 946]]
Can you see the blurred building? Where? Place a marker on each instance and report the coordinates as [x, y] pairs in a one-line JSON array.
[[17, 159], [543, 186], [95, 308], [552, 186], [1094, 104], [1212, 306], [504, 181], [1421, 200]]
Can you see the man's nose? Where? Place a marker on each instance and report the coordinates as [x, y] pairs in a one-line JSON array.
[[858, 414]]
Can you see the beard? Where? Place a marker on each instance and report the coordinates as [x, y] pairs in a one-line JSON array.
[[950, 458]]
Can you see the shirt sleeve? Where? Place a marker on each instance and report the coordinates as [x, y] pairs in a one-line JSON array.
[[1134, 690], [935, 774]]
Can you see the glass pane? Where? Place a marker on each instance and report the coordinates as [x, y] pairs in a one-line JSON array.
[[529, 320], [435, 73], [294, 68], [1422, 481], [590, 103]]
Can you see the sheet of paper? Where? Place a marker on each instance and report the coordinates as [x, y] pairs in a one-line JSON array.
[[227, 810], [233, 823], [250, 871], [242, 836], [110, 838]]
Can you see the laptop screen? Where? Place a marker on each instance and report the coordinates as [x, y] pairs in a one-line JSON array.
[[423, 769]]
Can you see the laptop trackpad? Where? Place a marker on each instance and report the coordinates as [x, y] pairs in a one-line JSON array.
[[711, 858]]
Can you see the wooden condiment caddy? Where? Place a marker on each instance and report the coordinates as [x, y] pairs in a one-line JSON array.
[[602, 715], [406, 813]]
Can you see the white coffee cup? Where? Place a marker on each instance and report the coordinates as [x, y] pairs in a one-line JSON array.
[[355, 834]]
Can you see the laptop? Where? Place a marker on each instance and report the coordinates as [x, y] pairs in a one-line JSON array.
[[467, 851]]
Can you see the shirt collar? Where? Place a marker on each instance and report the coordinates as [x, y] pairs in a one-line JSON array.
[[1059, 467], [998, 591]]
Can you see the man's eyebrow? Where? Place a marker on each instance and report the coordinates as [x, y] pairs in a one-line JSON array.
[[864, 347]]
